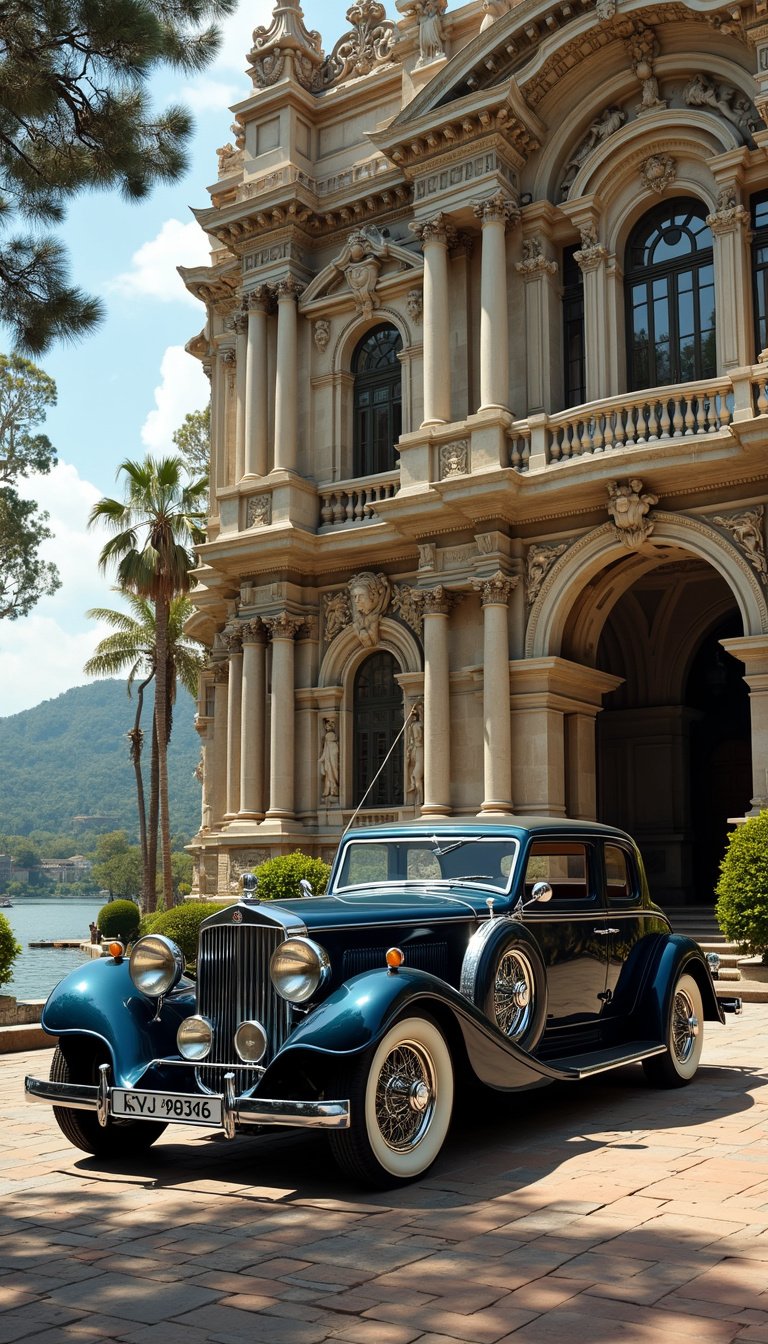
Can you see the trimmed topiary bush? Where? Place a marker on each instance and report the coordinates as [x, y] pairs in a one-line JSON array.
[[182, 924], [279, 878], [9, 951], [742, 889], [119, 919]]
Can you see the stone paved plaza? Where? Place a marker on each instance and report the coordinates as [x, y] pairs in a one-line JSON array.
[[596, 1212]]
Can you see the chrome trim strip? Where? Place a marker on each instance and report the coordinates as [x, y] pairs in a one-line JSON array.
[[236, 1110]]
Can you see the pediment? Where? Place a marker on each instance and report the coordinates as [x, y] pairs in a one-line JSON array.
[[368, 262]]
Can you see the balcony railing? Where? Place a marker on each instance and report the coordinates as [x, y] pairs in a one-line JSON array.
[[348, 503]]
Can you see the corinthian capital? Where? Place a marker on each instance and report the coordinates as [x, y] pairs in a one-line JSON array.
[[254, 632], [289, 288], [261, 299], [496, 590], [240, 322], [439, 601], [440, 229], [496, 208], [234, 640], [284, 626]]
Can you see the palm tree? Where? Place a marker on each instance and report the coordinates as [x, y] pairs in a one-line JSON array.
[[154, 528], [133, 646]]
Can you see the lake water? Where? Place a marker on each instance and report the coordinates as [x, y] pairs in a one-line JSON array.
[[38, 969]]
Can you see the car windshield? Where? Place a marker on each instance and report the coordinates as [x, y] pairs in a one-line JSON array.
[[487, 860]]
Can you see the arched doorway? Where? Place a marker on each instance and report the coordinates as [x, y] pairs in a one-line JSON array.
[[378, 718]]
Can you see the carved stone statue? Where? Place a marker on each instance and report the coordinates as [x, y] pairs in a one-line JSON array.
[[430, 17], [414, 757], [493, 10], [609, 121], [369, 596], [704, 91], [628, 507], [746, 528], [329, 760]]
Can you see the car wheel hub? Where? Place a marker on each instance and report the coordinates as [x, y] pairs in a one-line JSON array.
[[405, 1097]]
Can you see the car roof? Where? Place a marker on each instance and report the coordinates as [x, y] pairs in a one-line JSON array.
[[516, 826]]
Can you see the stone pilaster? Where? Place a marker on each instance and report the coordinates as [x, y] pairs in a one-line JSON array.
[[752, 651], [542, 319], [497, 737], [495, 214], [287, 376], [254, 704], [220, 704], [256, 388], [729, 223], [283, 630], [437, 606], [241, 355], [436, 237], [592, 258], [234, 716]]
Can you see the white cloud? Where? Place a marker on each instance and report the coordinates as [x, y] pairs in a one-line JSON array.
[[43, 654], [153, 273], [184, 388]]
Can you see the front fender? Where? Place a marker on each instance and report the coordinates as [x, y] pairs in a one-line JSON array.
[[359, 1013], [673, 956], [100, 1000]]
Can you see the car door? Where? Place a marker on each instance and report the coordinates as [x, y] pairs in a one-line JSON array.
[[625, 917], [570, 931]]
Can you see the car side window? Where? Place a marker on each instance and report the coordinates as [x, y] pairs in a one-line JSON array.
[[620, 884], [561, 863]]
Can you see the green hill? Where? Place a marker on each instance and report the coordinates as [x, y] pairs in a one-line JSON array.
[[68, 758]]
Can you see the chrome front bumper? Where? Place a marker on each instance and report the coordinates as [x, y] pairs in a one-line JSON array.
[[238, 1112]]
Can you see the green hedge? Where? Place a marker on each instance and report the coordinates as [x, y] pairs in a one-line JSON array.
[[9, 951], [182, 924], [119, 919], [742, 889], [279, 878]]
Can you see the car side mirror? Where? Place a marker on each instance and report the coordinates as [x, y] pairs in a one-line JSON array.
[[541, 892]]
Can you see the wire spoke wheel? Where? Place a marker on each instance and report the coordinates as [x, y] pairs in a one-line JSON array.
[[406, 1089], [514, 993], [684, 1038], [685, 1026]]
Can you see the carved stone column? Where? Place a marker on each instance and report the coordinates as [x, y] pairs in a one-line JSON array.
[[283, 630], [287, 378], [234, 714], [495, 214], [220, 703], [538, 273], [241, 353], [437, 606], [254, 704], [729, 223], [256, 389], [497, 736], [592, 258], [752, 651], [436, 237]]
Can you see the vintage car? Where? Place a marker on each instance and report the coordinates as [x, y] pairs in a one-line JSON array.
[[511, 954]]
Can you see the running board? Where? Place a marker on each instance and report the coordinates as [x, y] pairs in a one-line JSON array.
[[599, 1061]]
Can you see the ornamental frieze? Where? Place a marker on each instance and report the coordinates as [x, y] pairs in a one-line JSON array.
[[747, 529]]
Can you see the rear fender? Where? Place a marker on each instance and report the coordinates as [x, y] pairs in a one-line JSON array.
[[672, 957], [101, 1001], [357, 1015]]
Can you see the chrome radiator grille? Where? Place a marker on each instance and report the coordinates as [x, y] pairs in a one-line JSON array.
[[233, 985]]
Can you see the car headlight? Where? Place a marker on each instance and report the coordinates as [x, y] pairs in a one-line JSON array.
[[251, 1042], [194, 1037], [298, 968], [156, 965]]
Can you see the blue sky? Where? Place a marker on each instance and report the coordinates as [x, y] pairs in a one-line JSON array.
[[123, 391]]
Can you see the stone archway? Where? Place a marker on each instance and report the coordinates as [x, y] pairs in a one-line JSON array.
[[654, 618]]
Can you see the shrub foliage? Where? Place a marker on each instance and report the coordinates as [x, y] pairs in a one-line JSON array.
[[279, 878], [182, 924], [119, 919], [742, 889], [9, 951]]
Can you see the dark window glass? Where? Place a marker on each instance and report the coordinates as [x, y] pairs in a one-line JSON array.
[[575, 380], [377, 401], [760, 269], [378, 710], [670, 296]]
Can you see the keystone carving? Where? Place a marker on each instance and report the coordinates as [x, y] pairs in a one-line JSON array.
[[369, 597], [628, 507], [658, 172], [360, 264]]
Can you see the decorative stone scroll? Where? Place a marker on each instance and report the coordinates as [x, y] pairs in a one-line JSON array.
[[454, 459], [540, 559], [628, 507], [369, 597], [746, 526], [259, 511], [534, 262], [728, 213], [337, 614], [407, 603], [496, 590], [372, 42], [658, 172]]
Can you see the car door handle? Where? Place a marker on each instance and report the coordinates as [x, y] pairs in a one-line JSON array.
[[603, 933]]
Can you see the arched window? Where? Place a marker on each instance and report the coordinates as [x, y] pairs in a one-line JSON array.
[[378, 711], [377, 401], [670, 296]]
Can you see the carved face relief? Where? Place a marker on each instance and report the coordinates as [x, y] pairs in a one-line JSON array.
[[369, 598]]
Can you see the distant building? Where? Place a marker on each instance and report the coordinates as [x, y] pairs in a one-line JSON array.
[[487, 332], [67, 870], [5, 868]]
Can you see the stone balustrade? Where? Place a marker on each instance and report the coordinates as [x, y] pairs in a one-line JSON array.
[[351, 502]]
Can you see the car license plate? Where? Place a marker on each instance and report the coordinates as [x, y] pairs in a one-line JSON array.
[[176, 1106]]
